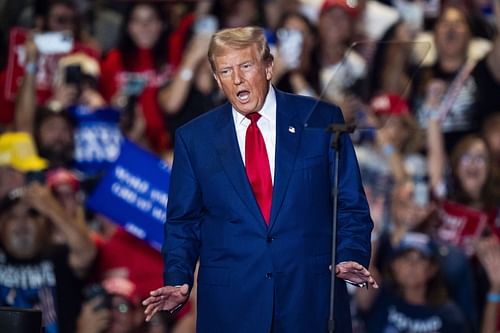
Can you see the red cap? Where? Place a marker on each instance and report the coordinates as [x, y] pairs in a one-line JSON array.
[[62, 176], [351, 7], [121, 286], [390, 105]]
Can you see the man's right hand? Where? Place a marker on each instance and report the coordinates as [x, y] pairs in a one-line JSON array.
[[167, 298]]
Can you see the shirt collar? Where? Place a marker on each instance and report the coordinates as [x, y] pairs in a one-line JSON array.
[[267, 112]]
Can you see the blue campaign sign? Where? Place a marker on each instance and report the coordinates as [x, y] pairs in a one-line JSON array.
[[97, 138], [134, 193]]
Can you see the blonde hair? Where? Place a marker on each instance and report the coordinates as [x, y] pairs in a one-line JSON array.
[[238, 38]]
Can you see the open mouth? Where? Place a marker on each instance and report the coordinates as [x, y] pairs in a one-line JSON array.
[[243, 96]]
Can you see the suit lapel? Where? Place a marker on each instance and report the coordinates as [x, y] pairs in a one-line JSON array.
[[226, 144], [288, 132]]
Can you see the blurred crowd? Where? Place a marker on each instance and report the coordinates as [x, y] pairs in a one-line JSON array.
[[420, 79]]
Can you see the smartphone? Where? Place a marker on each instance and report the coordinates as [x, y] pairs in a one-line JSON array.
[[421, 193], [73, 75], [53, 42], [206, 24], [134, 85], [290, 46]]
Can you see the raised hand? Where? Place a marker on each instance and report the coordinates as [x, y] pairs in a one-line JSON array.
[[168, 298]]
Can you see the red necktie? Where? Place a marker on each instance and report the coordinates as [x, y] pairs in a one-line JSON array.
[[257, 166]]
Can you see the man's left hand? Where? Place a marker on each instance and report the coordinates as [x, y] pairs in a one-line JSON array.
[[353, 272]]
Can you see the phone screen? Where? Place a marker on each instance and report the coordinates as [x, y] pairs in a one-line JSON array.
[[53, 42]]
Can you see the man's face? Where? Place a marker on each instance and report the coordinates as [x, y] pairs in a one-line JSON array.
[[56, 138], [244, 78], [22, 231]]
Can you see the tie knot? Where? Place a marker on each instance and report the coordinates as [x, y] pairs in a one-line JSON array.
[[254, 116]]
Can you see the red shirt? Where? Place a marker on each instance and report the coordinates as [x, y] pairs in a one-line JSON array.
[[142, 263], [47, 67], [113, 78]]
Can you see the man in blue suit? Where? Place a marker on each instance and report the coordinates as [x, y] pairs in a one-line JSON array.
[[250, 198]]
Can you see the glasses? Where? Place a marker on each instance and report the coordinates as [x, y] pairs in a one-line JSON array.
[[478, 159]]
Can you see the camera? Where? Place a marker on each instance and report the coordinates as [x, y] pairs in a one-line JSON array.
[[95, 291], [73, 75]]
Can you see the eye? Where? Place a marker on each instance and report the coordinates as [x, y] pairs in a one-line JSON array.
[[225, 72], [246, 66]]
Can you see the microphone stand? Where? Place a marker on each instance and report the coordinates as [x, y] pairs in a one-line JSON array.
[[336, 130]]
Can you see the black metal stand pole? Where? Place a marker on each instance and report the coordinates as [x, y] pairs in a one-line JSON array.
[[337, 130]]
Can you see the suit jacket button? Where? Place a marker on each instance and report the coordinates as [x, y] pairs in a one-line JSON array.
[[269, 275], [269, 239]]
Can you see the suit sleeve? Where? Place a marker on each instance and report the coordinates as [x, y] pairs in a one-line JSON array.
[[184, 213], [354, 222]]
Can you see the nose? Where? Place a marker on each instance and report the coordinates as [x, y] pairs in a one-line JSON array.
[[237, 77]]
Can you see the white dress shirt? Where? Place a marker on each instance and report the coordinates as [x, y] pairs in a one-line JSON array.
[[266, 124]]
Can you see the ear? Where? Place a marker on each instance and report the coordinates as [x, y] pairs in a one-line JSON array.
[[269, 70], [217, 80]]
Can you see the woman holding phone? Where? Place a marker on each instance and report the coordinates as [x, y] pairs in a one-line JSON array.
[[133, 72]]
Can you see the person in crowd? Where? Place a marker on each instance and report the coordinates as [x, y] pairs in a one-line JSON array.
[[470, 181], [63, 15], [413, 295], [470, 86], [491, 133], [488, 253], [18, 159], [51, 129], [239, 13], [272, 241], [274, 10], [132, 72], [53, 132], [138, 262], [113, 306], [193, 90], [65, 187], [39, 68], [412, 210], [76, 129], [297, 63], [342, 68], [386, 147], [391, 69], [470, 172], [36, 273]]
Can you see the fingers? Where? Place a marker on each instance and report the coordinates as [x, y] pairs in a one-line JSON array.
[[372, 282], [184, 289], [349, 266], [165, 298], [151, 314]]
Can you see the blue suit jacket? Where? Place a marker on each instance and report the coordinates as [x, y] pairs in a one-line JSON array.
[[252, 277]]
